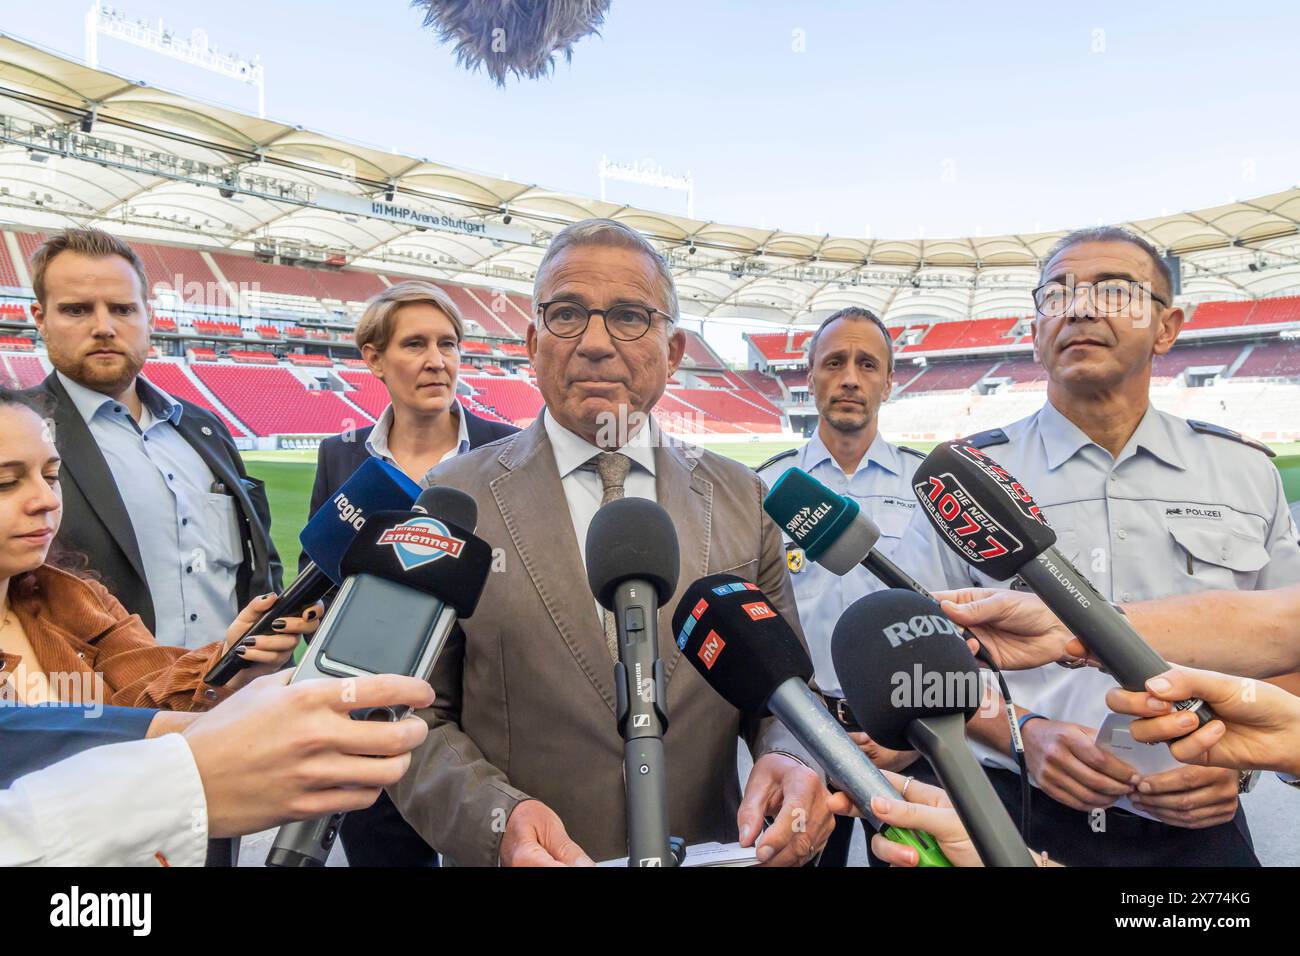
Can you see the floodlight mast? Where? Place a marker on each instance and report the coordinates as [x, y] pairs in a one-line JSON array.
[[195, 50]]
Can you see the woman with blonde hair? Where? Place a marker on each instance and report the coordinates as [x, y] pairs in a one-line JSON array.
[[410, 336]]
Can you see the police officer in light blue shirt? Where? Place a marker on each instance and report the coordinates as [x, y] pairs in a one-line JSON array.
[[851, 366], [1146, 505]]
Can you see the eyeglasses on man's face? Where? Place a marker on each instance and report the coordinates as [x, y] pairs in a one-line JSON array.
[[1107, 296], [626, 322]]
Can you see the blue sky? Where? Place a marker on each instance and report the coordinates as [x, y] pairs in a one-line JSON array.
[[908, 117]]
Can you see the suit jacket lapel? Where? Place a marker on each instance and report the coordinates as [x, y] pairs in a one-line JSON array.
[[688, 497], [536, 515], [85, 463]]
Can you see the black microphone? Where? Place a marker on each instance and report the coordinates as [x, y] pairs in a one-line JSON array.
[[409, 576], [632, 566], [988, 517], [912, 684], [738, 642]]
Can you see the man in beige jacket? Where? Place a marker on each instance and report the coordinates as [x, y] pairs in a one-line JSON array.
[[524, 763]]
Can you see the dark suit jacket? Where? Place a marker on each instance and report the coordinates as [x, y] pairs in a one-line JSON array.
[[96, 523], [341, 455], [33, 738]]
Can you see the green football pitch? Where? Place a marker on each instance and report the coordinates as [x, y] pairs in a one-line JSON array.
[[289, 475]]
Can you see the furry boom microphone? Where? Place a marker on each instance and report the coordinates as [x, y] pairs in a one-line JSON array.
[[513, 36]]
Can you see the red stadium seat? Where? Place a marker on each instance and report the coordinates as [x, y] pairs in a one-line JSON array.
[[370, 393], [513, 399], [272, 401], [175, 381]]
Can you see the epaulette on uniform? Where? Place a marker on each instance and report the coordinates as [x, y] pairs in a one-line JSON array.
[[910, 451], [1207, 428], [775, 458], [986, 439]]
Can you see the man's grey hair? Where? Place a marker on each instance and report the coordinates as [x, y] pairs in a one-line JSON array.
[[1116, 234], [607, 232], [855, 314]]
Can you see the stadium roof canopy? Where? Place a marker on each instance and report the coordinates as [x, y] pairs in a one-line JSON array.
[[84, 146]]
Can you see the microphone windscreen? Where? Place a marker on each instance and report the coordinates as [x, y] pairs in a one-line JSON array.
[[423, 552], [449, 504], [809, 512], [980, 510], [374, 486], [898, 659], [631, 538], [738, 641]]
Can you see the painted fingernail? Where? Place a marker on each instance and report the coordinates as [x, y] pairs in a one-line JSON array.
[[279, 624], [248, 642], [1159, 685], [311, 614], [240, 650]]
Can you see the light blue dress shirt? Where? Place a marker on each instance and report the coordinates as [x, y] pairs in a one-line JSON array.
[[1178, 511], [186, 530], [882, 486]]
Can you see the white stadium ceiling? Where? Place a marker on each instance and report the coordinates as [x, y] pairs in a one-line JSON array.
[[83, 146]]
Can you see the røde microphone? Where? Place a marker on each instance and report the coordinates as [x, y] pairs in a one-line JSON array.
[[985, 515], [374, 486], [738, 642], [831, 528], [632, 566], [409, 576], [912, 684]]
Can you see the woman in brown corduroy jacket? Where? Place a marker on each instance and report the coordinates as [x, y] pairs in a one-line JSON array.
[[65, 637]]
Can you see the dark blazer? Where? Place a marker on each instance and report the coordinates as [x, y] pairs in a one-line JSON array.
[[33, 738], [378, 835], [96, 523], [341, 455]]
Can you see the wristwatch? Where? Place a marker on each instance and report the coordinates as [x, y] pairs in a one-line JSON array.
[[1246, 780]]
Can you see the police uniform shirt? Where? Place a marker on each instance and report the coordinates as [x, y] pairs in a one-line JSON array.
[[882, 487], [1185, 507]]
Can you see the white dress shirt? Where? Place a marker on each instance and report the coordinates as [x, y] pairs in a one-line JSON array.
[[582, 488], [91, 809], [377, 443]]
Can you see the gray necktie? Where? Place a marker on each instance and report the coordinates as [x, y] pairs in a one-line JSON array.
[[612, 467]]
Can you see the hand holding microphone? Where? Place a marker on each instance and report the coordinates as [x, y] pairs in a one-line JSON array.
[[266, 653], [408, 576], [1015, 627], [735, 639], [1256, 725], [911, 682], [980, 511], [920, 807]]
